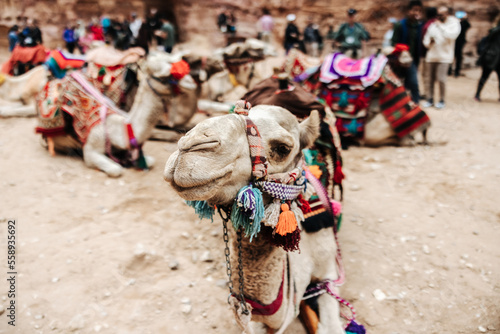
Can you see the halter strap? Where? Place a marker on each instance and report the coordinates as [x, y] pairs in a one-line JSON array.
[[257, 153]]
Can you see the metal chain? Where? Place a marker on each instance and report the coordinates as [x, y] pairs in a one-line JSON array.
[[227, 253]]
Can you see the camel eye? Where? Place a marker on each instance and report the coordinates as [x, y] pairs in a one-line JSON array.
[[282, 150]]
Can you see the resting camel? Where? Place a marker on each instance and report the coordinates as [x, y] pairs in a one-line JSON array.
[[155, 96], [17, 94], [213, 164]]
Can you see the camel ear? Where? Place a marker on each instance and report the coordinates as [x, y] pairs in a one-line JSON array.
[[309, 130]]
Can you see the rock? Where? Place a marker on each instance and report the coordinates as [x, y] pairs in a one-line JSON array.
[[206, 257], [186, 308], [379, 295], [97, 328], [139, 250], [475, 232], [185, 235], [354, 187], [431, 235], [173, 265], [186, 300], [39, 316], [55, 279], [482, 329], [76, 323], [2, 309], [221, 283], [425, 249], [194, 257]]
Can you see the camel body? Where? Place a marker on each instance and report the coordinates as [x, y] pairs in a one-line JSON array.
[[213, 163], [17, 94], [153, 98]]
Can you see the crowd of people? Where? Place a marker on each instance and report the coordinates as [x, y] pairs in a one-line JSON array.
[[155, 29]]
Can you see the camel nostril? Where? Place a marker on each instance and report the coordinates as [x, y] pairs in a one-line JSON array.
[[198, 143]]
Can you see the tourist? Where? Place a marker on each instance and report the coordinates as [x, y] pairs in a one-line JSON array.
[[222, 20], [312, 39], [134, 26], [153, 21], [387, 41], [431, 16], [408, 31], [167, 33], [31, 35], [265, 26], [461, 40], [350, 35], [69, 38], [489, 59], [292, 33], [231, 22], [440, 42], [13, 37]]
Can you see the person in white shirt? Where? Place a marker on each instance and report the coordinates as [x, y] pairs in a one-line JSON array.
[[440, 43], [135, 25], [389, 33]]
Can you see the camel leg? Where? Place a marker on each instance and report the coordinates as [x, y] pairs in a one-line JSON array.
[[18, 111], [50, 144], [94, 154], [329, 315], [424, 137]]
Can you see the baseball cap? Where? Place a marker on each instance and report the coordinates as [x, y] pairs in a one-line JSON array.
[[460, 14], [352, 11]]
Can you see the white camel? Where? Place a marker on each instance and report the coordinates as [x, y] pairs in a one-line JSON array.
[[17, 94], [154, 97], [213, 163]]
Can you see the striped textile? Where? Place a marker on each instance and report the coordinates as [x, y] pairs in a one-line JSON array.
[[257, 153], [404, 116]]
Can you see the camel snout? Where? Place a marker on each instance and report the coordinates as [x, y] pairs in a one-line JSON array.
[[168, 172], [199, 142]]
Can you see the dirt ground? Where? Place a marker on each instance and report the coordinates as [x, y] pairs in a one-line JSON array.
[[102, 255]]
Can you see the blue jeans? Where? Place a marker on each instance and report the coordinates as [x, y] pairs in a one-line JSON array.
[[411, 82]]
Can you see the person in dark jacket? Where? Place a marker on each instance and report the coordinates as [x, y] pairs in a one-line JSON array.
[[351, 35], [292, 33], [69, 38], [31, 35], [409, 31], [490, 59], [312, 39], [13, 37], [460, 41]]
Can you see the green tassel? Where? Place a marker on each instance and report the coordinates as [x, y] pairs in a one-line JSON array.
[[202, 209], [339, 222], [248, 211], [141, 161], [102, 71], [343, 102], [231, 110]]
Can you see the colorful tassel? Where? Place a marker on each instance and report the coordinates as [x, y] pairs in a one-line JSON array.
[[338, 222], [338, 175], [102, 71], [272, 213], [297, 212], [287, 222], [248, 211], [202, 209], [315, 170], [355, 328], [141, 161], [336, 207], [304, 205], [289, 242]]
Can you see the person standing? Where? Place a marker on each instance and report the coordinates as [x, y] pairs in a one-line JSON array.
[[312, 39], [461, 40], [440, 42], [13, 37], [489, 59], [350, 35], [154, 24], [69, 38], [389, 33], [292, 33], [408, 31], [167, 33], [265, 26], [31, 35]]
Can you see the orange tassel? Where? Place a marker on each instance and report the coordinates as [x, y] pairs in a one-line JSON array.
[[287, 222], [315, 170]]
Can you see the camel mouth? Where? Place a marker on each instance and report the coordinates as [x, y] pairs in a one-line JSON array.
[[200, 191]]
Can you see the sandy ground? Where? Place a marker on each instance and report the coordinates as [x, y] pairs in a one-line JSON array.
[[94, 254]]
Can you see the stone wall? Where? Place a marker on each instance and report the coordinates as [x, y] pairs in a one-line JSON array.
[[198, 17]]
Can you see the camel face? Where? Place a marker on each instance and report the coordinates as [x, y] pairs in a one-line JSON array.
[[213, 163]]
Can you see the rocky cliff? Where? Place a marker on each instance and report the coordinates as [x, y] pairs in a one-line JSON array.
[[198, 17]]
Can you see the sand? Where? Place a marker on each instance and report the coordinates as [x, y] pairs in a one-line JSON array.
[[95, 254]]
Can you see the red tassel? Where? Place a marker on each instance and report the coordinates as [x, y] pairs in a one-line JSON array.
[[287, 222], [338, 175], [304, 205], [289, 242]]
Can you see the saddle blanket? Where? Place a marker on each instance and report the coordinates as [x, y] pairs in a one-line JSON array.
[[368, 70]]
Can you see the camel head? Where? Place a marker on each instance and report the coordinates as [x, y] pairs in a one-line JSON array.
[[180, 96], [213, 161]]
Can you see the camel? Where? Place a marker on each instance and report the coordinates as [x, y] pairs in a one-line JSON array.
[[17, 94], [371, 105], [155, 96], [214, 163]]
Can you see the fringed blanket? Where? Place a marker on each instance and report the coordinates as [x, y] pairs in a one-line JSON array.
[[296, 63], [59, 62], [368, 70], [69, 96], [109, 80], [27, 55]]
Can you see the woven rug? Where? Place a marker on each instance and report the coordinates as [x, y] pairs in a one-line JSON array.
[[50, 117], [109, 80], [368, 70], [59, 62], [404, 116]]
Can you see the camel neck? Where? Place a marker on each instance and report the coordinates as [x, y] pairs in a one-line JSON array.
[[146, 110], [263, 272]]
